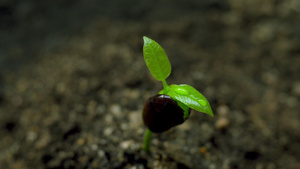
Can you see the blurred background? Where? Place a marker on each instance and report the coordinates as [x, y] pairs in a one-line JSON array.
[[73, 83]]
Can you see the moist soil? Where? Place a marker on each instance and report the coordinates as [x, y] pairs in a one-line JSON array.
[[73, 83]]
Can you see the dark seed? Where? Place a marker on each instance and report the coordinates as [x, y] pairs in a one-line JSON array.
[[161, 113]]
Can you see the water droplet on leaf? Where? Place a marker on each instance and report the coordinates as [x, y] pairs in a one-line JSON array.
[[181, 91], [202, 102]]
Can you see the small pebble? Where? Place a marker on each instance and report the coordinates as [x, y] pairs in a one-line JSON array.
[[108, 131], [202, 150], [222, 110], [94, 147], [131, 94], [80, 141], [91, 107], [43, 140], [126, 144], [100, 109], [212, 166], [135, 120], [60, 88], [31, 136], [222, 123], [115, 109], [101, 153], [296, 88], [124, 126], [108, 118], [269, 78]]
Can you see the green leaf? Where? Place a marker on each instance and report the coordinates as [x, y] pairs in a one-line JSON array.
[[190, 97], [156, 59]]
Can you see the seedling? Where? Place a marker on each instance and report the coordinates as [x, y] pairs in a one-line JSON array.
[[171, 106]]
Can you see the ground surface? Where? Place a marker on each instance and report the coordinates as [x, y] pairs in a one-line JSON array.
[[73, 83]]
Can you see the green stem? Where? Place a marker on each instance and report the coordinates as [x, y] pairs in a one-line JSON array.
[[166, 87], [147, 138]]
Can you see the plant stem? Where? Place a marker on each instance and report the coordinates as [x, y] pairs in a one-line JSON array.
[[166, 87], [147, 138]]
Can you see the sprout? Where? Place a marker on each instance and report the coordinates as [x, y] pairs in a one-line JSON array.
[[172, 105]]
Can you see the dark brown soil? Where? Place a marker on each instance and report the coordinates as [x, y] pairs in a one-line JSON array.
[[73, 83]]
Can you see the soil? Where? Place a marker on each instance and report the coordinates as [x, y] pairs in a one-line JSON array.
[[73, 83]]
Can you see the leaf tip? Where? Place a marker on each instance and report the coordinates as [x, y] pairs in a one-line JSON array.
[[210, 112], [146, 39]]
